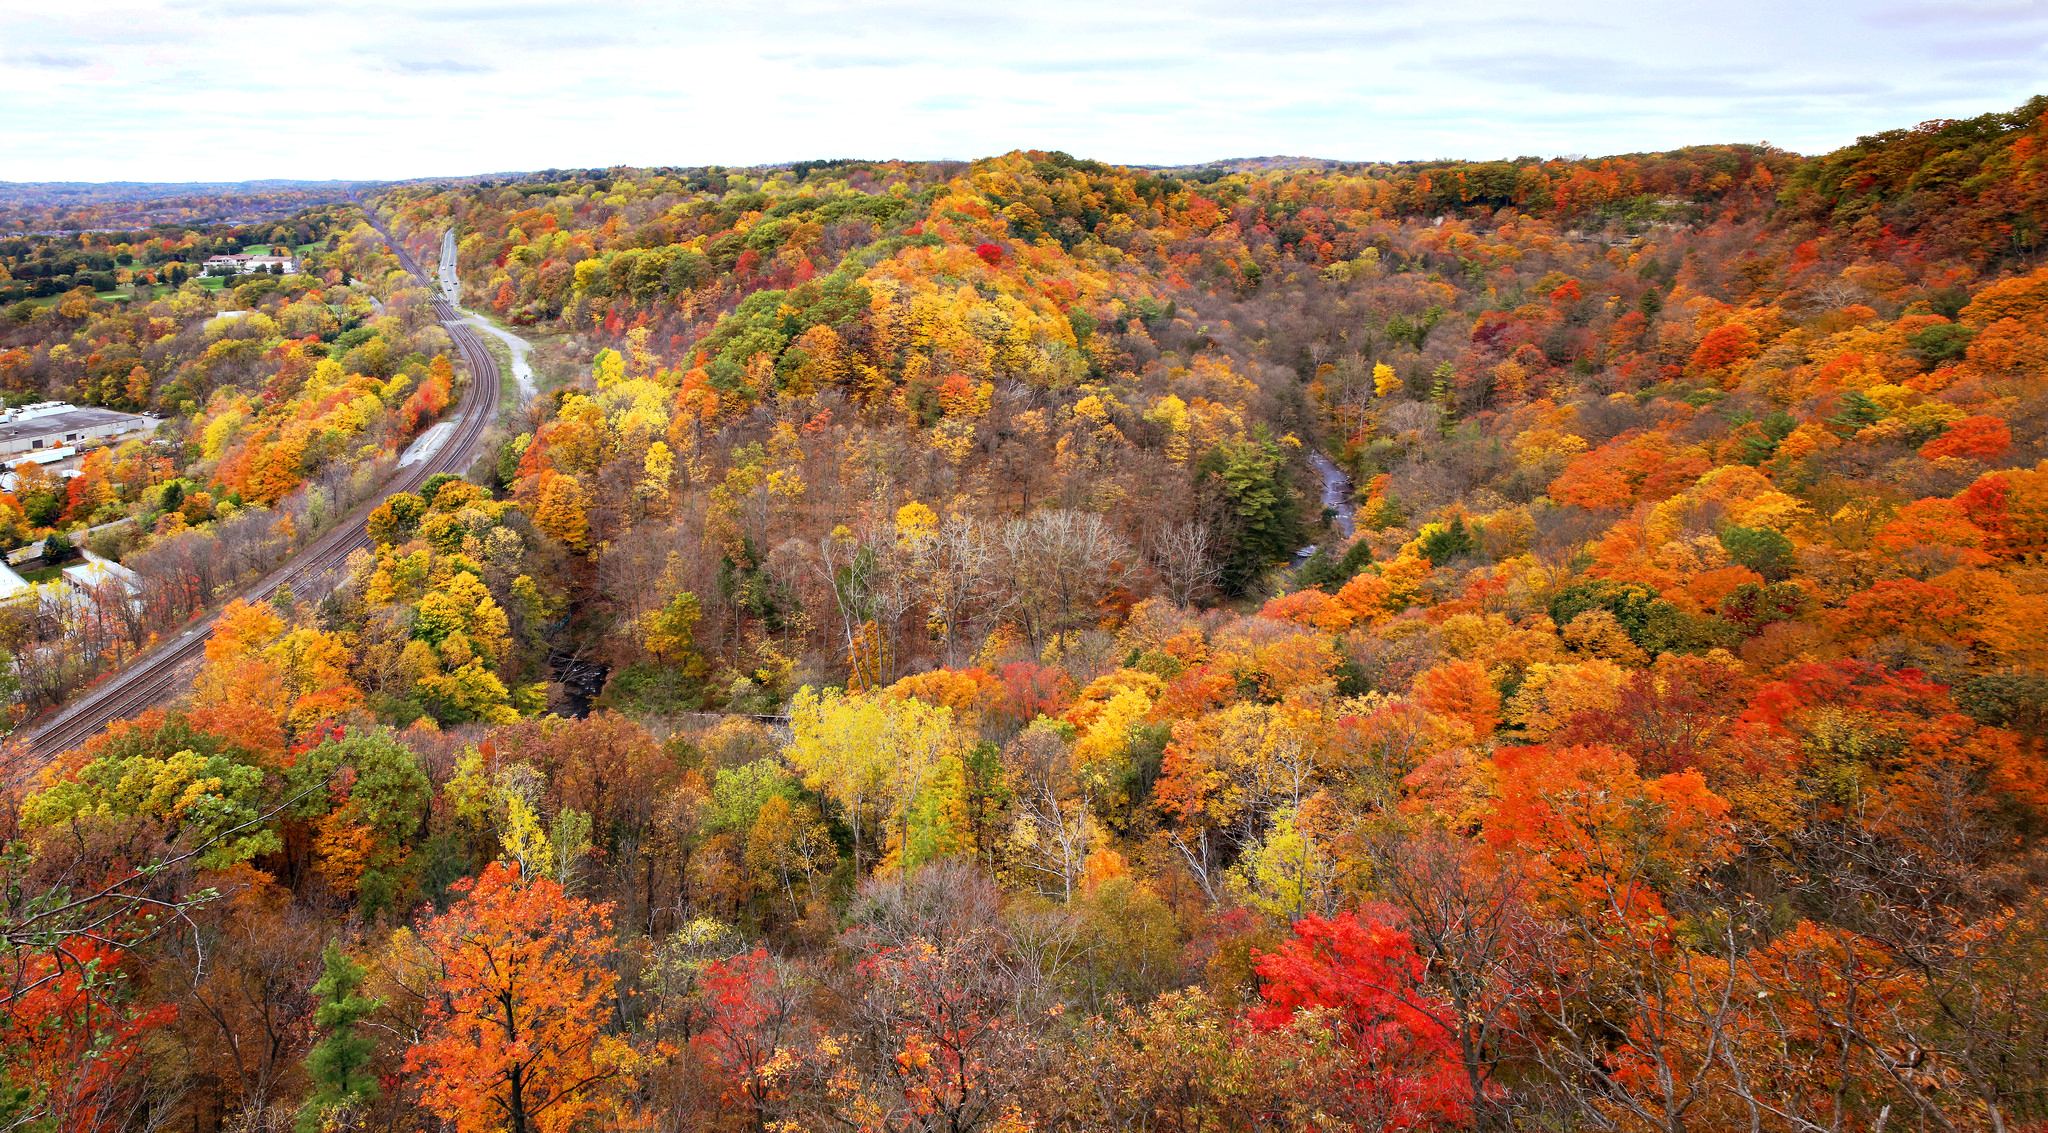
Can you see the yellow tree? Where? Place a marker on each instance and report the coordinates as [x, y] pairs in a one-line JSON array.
[[869, 752], [560, 510]]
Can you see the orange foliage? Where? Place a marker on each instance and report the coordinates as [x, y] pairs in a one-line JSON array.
[[516, 1037], [1463, 691]]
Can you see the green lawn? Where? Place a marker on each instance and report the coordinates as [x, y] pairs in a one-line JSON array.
[[53, 300], [128, 293]]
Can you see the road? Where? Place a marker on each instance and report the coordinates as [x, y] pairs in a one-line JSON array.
[[451, 290], [168, 669]]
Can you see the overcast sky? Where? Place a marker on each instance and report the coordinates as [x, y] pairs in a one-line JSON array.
[[231, 89]]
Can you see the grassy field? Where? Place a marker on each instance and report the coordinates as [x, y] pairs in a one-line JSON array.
[[132, 293], [544, 380]]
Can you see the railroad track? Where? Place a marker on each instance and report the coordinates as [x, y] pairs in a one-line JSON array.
[[166, 670]]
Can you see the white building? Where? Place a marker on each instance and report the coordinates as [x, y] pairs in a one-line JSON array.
[[96, 571], [12, 584], [48, 456], [244, 264], [55, 425]]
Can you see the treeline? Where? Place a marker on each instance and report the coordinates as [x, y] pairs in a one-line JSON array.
[[106, 207]]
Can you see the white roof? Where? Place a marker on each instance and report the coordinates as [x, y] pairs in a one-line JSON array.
[[52, 417], [11, 583], [96, 571]]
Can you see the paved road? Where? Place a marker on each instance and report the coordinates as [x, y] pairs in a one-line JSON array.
[[168, 669], [451, 293]]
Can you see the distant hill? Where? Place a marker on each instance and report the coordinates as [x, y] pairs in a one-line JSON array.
[[1255, 164], [41, 206]]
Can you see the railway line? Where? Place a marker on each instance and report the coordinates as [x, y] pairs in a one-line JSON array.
[[164, 671]]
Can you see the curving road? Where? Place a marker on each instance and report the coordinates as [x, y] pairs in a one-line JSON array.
[[168, 669], [451, 290]]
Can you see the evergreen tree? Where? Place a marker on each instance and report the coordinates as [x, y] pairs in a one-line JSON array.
[[1454, 541], [1256, 510], [338, 1062], [1857, 411]]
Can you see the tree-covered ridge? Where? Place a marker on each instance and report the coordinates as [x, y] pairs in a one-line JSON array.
[[1975, 187], [74, 207]]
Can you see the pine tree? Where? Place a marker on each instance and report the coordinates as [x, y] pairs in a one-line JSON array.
[[337, 1063]]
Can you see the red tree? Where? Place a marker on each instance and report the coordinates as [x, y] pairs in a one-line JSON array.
[[751, 1014], [1978, 438], [67, 1038], [1404, 1069]]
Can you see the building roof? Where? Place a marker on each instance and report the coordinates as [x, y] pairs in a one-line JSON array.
[[11, 583], [38, 421], [96, 571]]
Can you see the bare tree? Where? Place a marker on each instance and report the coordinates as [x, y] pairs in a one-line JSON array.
[[1469, 919], [954, 571], [1052, 839], [1184, 553], [1058, 564]]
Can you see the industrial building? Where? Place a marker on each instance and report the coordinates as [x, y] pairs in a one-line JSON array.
[[55, 425]]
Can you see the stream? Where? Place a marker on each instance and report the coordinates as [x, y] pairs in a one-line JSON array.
[[1336, 493], [1336, 497]]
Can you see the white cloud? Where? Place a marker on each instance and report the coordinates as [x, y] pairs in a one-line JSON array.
[[206, 89]]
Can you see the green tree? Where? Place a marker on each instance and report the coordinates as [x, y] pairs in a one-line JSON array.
[[1260, 524], [1855, 410], [1760, 549], [1451, 541], [339, 1063], [378, 786], [199, 798]]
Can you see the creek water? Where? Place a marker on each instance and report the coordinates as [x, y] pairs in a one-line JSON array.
[[1336, 497]]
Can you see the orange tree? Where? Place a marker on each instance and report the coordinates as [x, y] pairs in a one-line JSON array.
[[515, 1042]]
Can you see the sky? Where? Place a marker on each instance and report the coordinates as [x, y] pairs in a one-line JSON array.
[[184, 90]]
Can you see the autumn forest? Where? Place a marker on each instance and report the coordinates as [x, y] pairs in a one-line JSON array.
[[1035, 644]]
